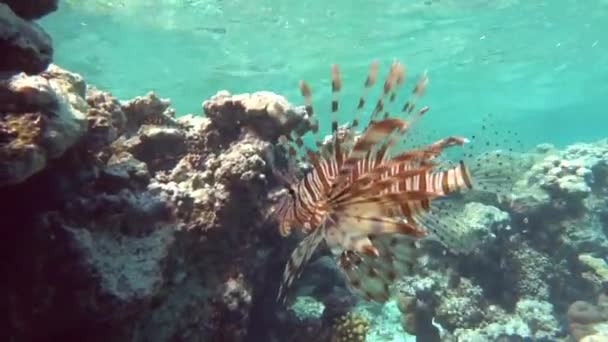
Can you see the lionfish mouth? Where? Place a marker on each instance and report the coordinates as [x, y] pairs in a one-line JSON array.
[[370, 199]]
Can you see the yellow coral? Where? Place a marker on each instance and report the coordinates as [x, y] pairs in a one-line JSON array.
[[351, 327]]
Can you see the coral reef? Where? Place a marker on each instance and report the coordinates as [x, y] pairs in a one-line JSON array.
[[134, 224], [137, 224]]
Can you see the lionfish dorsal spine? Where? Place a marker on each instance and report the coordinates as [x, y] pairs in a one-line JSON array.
[[336, 86], [370, 81], [306, 93], [389, 82]]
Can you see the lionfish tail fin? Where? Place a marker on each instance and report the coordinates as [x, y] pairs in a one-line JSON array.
[[492, 157], [493, 172]]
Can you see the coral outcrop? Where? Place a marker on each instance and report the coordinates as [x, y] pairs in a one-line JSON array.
[[267, 114], [560, 181], [41, 118]]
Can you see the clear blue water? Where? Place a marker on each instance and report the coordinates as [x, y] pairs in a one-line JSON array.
[[540, 66]]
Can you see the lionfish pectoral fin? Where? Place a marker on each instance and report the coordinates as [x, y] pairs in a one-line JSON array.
[[364, 278], [371, 276], [401, 249], [299, 257]]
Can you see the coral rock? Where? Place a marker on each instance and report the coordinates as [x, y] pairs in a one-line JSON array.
[[123, 169], [32, 9], [159, 147], [105, 117], [351, 327], [241, 162], [25, 46], [129, 268]]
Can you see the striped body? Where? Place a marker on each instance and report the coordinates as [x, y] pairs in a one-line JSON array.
[[366, 199], [312, 200]]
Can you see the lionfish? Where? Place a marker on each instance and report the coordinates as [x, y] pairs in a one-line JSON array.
[[366, 197]]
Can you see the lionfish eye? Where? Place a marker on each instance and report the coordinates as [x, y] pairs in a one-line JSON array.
[[291, 191]]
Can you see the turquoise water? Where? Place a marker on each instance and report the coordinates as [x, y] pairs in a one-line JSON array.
[[539, 66]]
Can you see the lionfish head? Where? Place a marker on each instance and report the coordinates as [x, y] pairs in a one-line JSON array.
[[282, 212]]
